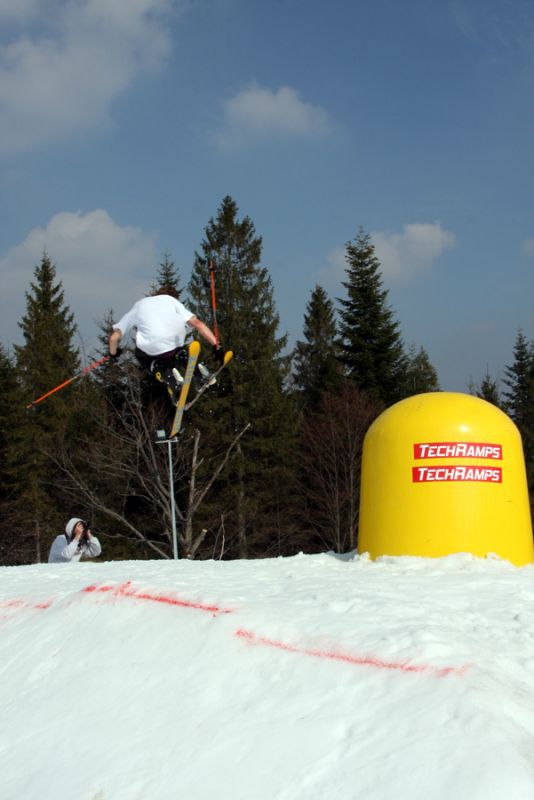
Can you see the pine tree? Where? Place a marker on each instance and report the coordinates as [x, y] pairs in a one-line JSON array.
[[168, 276], [7, 390], [13, 549], [112, 376], [252, 494], [48, 355], [317, 368], [488, 390], [371, 345], [420, 375], [519, 399], [519, 378], [46, 358]]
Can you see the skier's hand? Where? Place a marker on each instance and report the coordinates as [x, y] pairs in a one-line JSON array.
[[218, 352]]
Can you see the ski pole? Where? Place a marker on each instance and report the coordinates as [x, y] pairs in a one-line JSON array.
[[66, 383], [213, 302]]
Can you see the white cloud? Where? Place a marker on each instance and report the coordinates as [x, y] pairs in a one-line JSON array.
[[257, 112], [67, 62], [334, 272], [101, 265], [404, 256]]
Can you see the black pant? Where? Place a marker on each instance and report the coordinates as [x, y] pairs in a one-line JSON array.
[[164, 363]]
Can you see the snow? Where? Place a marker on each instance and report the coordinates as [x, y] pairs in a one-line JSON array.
[[306, 678]]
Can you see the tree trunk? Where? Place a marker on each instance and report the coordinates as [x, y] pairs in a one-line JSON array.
[[37, 541], [241, 516]]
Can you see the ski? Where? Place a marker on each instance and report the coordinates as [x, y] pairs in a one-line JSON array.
[[194, 350], [227, 358]]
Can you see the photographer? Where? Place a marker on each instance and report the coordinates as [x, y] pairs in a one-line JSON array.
[[77, 541]]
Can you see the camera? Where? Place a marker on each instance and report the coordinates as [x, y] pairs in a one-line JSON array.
[[84, 538]]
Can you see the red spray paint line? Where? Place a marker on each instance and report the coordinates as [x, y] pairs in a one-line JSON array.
[[126, 590], [25, 604], [361, 661]]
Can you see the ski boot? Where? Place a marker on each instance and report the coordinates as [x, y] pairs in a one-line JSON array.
[[206, 377], [201, 376], [172, 380]]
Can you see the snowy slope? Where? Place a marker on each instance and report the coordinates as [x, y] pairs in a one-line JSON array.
[[313, 677]]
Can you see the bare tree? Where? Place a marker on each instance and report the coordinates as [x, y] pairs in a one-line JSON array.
[[124, 465], [331, 449]]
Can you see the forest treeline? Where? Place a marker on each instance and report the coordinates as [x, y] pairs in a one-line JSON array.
[[269, 461]]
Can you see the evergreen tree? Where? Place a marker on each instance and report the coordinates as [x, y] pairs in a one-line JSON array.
[[420, 376], [12, 548], [371, 345], [168, 276], [519, 399], [46, 358], [519, 378], [252, 492], [112, 376], [7, 391], [317, 368], [488, 390], [48, 355]]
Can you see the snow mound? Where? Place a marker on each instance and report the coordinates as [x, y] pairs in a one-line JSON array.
[[307, 678]]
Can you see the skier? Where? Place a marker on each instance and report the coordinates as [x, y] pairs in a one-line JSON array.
[[161, 323], [77, 541]]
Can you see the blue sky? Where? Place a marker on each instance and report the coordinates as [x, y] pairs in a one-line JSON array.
[[123, 124]]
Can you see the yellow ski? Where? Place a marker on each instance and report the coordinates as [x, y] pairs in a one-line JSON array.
[[194, 350], [227, 358]]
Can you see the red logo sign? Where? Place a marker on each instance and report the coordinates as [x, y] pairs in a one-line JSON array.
[[457, 450], [439, 474]]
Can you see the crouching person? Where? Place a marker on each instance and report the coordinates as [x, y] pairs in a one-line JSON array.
[[77, 541]]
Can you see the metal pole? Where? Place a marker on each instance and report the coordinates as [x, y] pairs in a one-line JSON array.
[[173, 511]]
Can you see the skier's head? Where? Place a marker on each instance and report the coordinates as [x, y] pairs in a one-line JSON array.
[[170, 290], [71, 524]]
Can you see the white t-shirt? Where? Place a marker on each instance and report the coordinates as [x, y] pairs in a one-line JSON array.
[[160, 324]]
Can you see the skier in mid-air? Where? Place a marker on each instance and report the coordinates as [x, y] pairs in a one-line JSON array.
[[161, 323]]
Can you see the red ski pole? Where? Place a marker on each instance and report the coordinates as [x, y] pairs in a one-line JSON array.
[[66, 383], [213, 302]]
